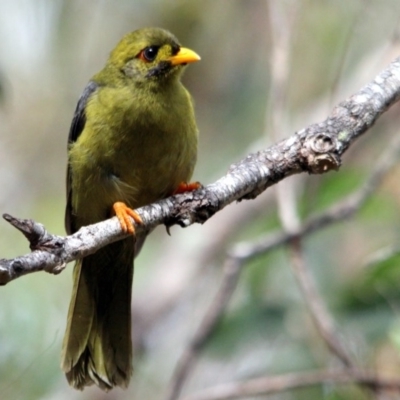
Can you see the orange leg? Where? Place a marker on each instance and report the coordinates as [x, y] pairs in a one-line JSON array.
[[124, 214], [187, 187]]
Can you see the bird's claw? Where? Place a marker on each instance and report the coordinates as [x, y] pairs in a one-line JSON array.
[[124, 215]]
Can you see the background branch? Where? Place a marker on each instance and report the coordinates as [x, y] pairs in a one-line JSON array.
[[276, 384]]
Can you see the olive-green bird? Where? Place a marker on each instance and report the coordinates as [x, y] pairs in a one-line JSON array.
[[133, 141]]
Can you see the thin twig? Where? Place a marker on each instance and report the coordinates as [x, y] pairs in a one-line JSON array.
[[282, 26], [282, 21], [277, 384], [323, 321]]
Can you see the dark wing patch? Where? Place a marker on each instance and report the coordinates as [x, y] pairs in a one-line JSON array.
[[77, 125], [79, 119]]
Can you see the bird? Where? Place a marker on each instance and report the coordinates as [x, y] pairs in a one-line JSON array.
[[133, 141]]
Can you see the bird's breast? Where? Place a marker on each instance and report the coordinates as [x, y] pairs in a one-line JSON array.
[[134, 150]]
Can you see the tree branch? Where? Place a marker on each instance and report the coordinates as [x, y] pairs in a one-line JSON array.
[[274, 384], [316, 149], [322, 319], [338, 212]]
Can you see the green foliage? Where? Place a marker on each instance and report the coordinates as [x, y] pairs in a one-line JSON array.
[[330, 188], [247, 324]]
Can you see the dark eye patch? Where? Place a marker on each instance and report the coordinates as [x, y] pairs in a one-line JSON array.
[[160, 69], [175, 49]]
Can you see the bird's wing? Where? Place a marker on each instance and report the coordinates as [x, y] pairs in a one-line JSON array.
[[77, 125]]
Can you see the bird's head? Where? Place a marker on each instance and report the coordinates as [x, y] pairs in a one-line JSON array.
[[150, 54]]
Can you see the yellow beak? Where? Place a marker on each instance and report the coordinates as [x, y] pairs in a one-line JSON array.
[[184, 56]]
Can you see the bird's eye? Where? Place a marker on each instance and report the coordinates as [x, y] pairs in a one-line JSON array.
[[149, 53]]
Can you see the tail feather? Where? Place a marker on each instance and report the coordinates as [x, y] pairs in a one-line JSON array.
[[97, 346]]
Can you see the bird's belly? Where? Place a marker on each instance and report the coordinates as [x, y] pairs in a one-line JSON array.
[[138, 184], [149, 166], [137, 175]]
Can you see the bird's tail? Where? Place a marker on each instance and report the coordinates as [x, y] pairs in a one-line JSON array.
[[97, 346]]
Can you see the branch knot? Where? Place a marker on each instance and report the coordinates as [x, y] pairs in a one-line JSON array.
[[319, 152]]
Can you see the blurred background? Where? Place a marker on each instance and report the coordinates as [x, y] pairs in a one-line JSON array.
[[267, 69]]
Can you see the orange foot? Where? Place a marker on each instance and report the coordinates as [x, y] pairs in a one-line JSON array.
[[124, 214], [187, 187]]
